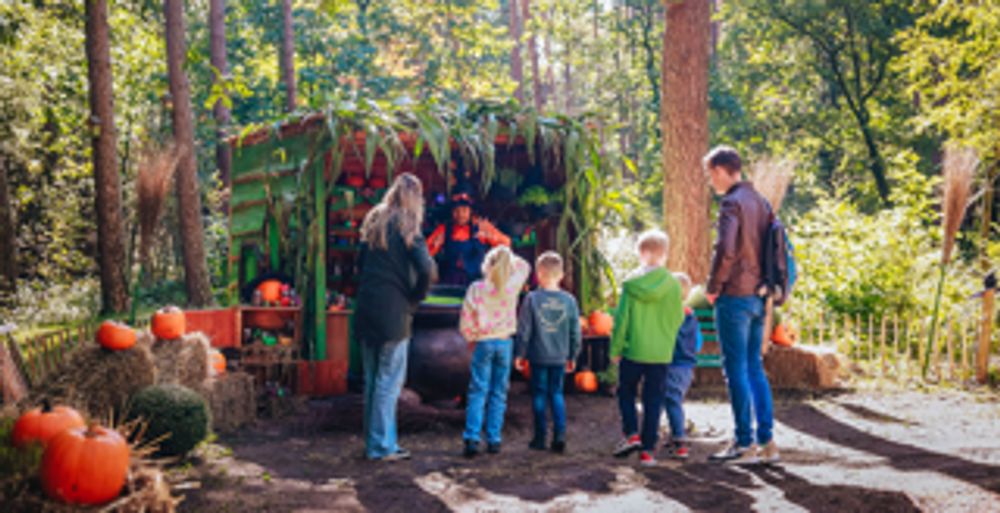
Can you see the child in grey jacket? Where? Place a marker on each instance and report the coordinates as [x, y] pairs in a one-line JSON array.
[[548, 340]]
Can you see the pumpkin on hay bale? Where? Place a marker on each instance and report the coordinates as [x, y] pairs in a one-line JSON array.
[[99, 381], [146, 488], [183, 361]]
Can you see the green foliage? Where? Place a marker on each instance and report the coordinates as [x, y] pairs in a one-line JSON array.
[[886, 263], [15, 464], [174, 412]]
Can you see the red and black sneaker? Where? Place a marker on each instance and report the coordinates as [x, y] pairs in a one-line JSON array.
[[627, 446], [646, 459]]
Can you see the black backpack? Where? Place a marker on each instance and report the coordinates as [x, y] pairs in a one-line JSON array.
[[778, 262]]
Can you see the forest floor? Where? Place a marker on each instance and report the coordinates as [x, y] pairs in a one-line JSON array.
[[884, 450]]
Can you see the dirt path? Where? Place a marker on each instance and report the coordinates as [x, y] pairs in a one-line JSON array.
[[881, 451]]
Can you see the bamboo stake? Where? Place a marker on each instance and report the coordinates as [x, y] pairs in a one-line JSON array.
[[965, 352], [985, 326], [871, 339], [881, 347], [895, 341], [950, 351], [859, 346]]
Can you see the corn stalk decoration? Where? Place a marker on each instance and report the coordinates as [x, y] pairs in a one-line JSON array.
[[592, 194]]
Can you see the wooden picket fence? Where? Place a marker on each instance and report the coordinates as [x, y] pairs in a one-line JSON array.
[[894, 347]]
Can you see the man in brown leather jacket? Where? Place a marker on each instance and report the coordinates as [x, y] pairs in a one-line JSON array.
[[733, 287]]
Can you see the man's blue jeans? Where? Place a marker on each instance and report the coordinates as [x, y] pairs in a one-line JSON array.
[[739, 321], [385, 370], [547, 389], [488, 389], [677, 383], [652, 376]]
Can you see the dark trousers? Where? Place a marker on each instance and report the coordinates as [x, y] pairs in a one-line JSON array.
[[652, 376]]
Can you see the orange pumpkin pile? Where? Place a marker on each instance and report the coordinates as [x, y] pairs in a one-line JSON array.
[[115, 336], [601, 323], [41, 424], [168, 323], [85, 465]]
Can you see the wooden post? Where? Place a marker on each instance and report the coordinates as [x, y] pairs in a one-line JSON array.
[[965, 352], [881, 347], [895, 341], [319, 285], [985, 331], [871, 338], [950, 351]]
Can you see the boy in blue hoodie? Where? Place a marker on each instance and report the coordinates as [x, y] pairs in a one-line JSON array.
[[680, 372]]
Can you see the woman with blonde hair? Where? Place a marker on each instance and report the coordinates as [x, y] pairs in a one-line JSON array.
[[488, 320], [395, 276]]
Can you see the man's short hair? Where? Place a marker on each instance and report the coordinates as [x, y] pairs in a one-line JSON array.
[[549, 263], [654, 242], [725, 157]]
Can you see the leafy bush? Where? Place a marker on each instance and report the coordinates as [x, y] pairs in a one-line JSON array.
[[173, 411]]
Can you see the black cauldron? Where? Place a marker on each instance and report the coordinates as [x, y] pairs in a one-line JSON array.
[[439, 358]]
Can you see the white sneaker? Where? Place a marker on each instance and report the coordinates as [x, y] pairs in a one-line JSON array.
[[769, 453], [736, 455]]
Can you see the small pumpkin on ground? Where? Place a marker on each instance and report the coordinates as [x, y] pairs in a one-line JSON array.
[[601, 323], [41, 424], [115, 336], [85, 465], [585, 381], [168, 323]]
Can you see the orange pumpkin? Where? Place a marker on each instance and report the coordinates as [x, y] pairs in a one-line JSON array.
[[115, 336], [782, 336], [85, 465], [168, 323], [218, 361], [270, 290], [585, 381], [601, 323], [41, 424]]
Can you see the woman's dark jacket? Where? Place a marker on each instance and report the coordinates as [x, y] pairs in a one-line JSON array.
[[393, 282]]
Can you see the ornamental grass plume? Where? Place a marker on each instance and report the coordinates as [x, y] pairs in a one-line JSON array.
[[959, 167], [156, 169], [772, 178]]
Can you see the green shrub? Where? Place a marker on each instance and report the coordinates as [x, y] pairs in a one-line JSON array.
[[173, 410]]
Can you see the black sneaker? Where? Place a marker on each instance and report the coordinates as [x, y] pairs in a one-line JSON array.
[[558, 445], [736, 455], [493, 447], [537, 444], [471, 449]]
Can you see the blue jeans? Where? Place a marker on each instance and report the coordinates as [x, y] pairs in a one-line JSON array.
[[740, 324], [488, 389], [652, 376], [385, 370], [547, 389], [676, 384]]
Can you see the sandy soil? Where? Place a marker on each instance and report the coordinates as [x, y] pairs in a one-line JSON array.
[[878, 450]]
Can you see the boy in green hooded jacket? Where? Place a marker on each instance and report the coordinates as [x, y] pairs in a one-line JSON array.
[[649, 315]]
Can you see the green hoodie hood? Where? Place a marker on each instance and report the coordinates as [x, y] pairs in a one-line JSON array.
[[652, 285], [648, 316]]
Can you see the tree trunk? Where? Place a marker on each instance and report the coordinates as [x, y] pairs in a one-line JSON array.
[[107, 185], [217, 29], [536, 77], [549, 88], [516, 68], [188, 198], [875, 162], [8, 235], [684, 118], [288, 55]]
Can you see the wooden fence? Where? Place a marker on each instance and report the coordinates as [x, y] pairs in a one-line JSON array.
[[31, 360], [895, 347]]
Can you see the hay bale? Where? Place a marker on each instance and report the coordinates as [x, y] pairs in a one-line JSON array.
[[183, 361], [98, 381], [803, 367], [232, 399]]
